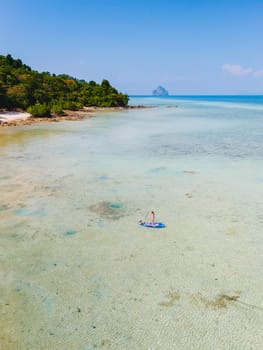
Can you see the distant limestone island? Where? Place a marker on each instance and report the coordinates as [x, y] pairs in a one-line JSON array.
[[41, 95], [160, 91]]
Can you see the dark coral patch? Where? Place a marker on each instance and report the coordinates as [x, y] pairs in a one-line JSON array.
[[108, 210]]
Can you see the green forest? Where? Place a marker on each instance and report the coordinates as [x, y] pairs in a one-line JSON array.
[[42, 94]]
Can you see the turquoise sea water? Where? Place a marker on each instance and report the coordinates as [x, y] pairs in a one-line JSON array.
[[77, 270]]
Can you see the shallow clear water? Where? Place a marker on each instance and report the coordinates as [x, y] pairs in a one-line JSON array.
[[77, 270]]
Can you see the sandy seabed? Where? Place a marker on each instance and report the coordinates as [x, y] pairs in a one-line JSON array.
[[77, 270]]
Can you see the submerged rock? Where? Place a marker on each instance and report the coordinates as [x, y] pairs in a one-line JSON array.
[[108, 210], [70, 233]]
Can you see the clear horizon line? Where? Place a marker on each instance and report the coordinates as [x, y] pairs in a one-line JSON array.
[[186, 95]]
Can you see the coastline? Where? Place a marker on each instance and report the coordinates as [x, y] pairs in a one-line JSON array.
[[15, 118]]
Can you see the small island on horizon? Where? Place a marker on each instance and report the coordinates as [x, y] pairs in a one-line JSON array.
[[160, 91]]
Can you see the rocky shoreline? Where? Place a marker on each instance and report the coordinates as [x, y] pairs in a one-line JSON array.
[[86, 112]]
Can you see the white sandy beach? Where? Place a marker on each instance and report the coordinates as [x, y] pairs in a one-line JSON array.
[[11, 116]]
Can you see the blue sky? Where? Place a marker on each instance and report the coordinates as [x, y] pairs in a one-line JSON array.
[[188, 46]]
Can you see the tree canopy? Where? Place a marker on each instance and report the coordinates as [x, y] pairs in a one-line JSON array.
[[42, 92]]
